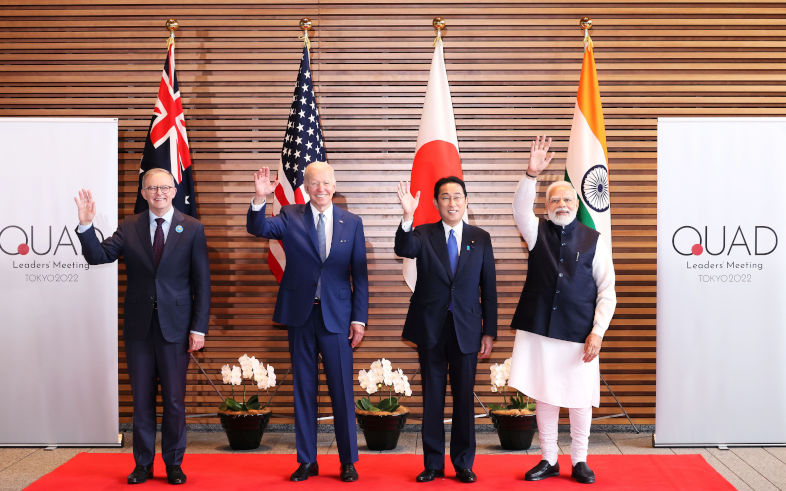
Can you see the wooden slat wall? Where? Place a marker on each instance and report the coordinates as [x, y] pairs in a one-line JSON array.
[[513, 68]]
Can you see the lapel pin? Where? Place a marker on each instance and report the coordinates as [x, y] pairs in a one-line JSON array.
[[179, 229], [341, 221]]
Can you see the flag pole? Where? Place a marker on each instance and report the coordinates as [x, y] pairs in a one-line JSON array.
[[439, 24], [585, 24], [305, 26], [172, 25]]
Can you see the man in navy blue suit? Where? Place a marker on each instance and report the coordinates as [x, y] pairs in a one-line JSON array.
[[452, 319], [165, 312], [323, 301]]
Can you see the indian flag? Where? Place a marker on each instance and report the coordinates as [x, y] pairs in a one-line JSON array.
[[587, 162]]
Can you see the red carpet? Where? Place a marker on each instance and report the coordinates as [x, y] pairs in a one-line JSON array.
[[89, 471]]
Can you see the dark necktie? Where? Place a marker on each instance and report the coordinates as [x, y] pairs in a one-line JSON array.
[[322, 242], [158, 242], [452, 252]]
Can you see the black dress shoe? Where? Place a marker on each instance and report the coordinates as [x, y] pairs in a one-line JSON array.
[[429, 475], [348, 473], [582, 473], [175, 475], [304, 471], [140, 474], [466, 475], [542, 471]]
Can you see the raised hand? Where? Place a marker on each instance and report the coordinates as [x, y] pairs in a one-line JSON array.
[[539, 157], [85, 206], [262, 185], [409, 203]]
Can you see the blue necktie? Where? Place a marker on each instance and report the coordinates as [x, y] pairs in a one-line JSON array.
[[452, 252], [322, 242]]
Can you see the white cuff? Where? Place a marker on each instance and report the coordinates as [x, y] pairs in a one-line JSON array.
[[255, 207]]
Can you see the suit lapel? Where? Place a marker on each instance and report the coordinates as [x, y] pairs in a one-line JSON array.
[[465, 249], [143, 230], [338, 228], [440, 246], [311, 230], [173, 236]]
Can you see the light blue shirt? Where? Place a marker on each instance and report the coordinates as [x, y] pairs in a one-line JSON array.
[[164, 226]]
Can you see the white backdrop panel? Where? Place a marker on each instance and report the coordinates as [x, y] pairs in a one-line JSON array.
[[58, 336], [721, 314]]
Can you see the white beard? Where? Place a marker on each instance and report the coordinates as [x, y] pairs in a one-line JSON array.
[[562, 220]]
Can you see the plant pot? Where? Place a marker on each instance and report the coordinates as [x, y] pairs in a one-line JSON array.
[[244, 429], [515, 431], [381, 430]]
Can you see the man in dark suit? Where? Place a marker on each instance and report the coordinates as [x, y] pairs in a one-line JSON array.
[[452, 319], [166, 312], [323, 301]]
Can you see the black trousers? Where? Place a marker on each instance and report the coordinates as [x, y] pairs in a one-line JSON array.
[[436, 364], [153, 360]]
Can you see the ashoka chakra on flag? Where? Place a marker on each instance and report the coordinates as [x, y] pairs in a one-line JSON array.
[[595, 188]]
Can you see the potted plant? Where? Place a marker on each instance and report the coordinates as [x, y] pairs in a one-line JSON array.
[[382, 421], [515, 418], [245, 421]]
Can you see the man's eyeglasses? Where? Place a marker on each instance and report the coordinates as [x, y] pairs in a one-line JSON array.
[[155, 189]]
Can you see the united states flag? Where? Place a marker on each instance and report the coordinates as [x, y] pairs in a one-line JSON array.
[[167, 143], [303, 144]]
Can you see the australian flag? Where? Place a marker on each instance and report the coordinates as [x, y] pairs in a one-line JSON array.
[[303, 144], [167, 144]]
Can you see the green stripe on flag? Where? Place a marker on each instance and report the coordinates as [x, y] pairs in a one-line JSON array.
[[583, 214]]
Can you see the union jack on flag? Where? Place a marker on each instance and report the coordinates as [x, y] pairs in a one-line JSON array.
[[303, 144], [166, 145]]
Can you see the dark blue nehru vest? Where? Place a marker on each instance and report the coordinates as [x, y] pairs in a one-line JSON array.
[[559, 295]]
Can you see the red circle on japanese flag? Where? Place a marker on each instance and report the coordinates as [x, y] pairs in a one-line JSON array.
[[433, 161]]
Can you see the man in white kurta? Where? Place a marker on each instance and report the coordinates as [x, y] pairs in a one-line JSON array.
[[564, 311]]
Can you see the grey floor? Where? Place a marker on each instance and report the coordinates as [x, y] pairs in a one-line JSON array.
[[754, 468]]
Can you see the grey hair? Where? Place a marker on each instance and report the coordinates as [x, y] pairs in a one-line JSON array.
[[316, 166], [156, 170], [559, 184]]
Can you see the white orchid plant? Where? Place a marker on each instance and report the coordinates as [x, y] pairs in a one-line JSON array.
[[500, 373], [250, 369], [378, 378]]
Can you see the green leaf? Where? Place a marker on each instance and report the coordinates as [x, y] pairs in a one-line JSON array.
[[366, 404], [253, 402], [389, 404], [223, 406], [232, 404]]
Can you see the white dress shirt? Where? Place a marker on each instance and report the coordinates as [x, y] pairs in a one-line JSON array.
[[406, 226]]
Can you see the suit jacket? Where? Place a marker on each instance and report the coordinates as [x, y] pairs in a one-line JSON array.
[[180, 284], [472, 292], [344, 273]]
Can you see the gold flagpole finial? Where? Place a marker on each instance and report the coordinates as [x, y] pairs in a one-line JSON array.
[[585, 24], [305, 26], [439, 24], [172, 26]]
